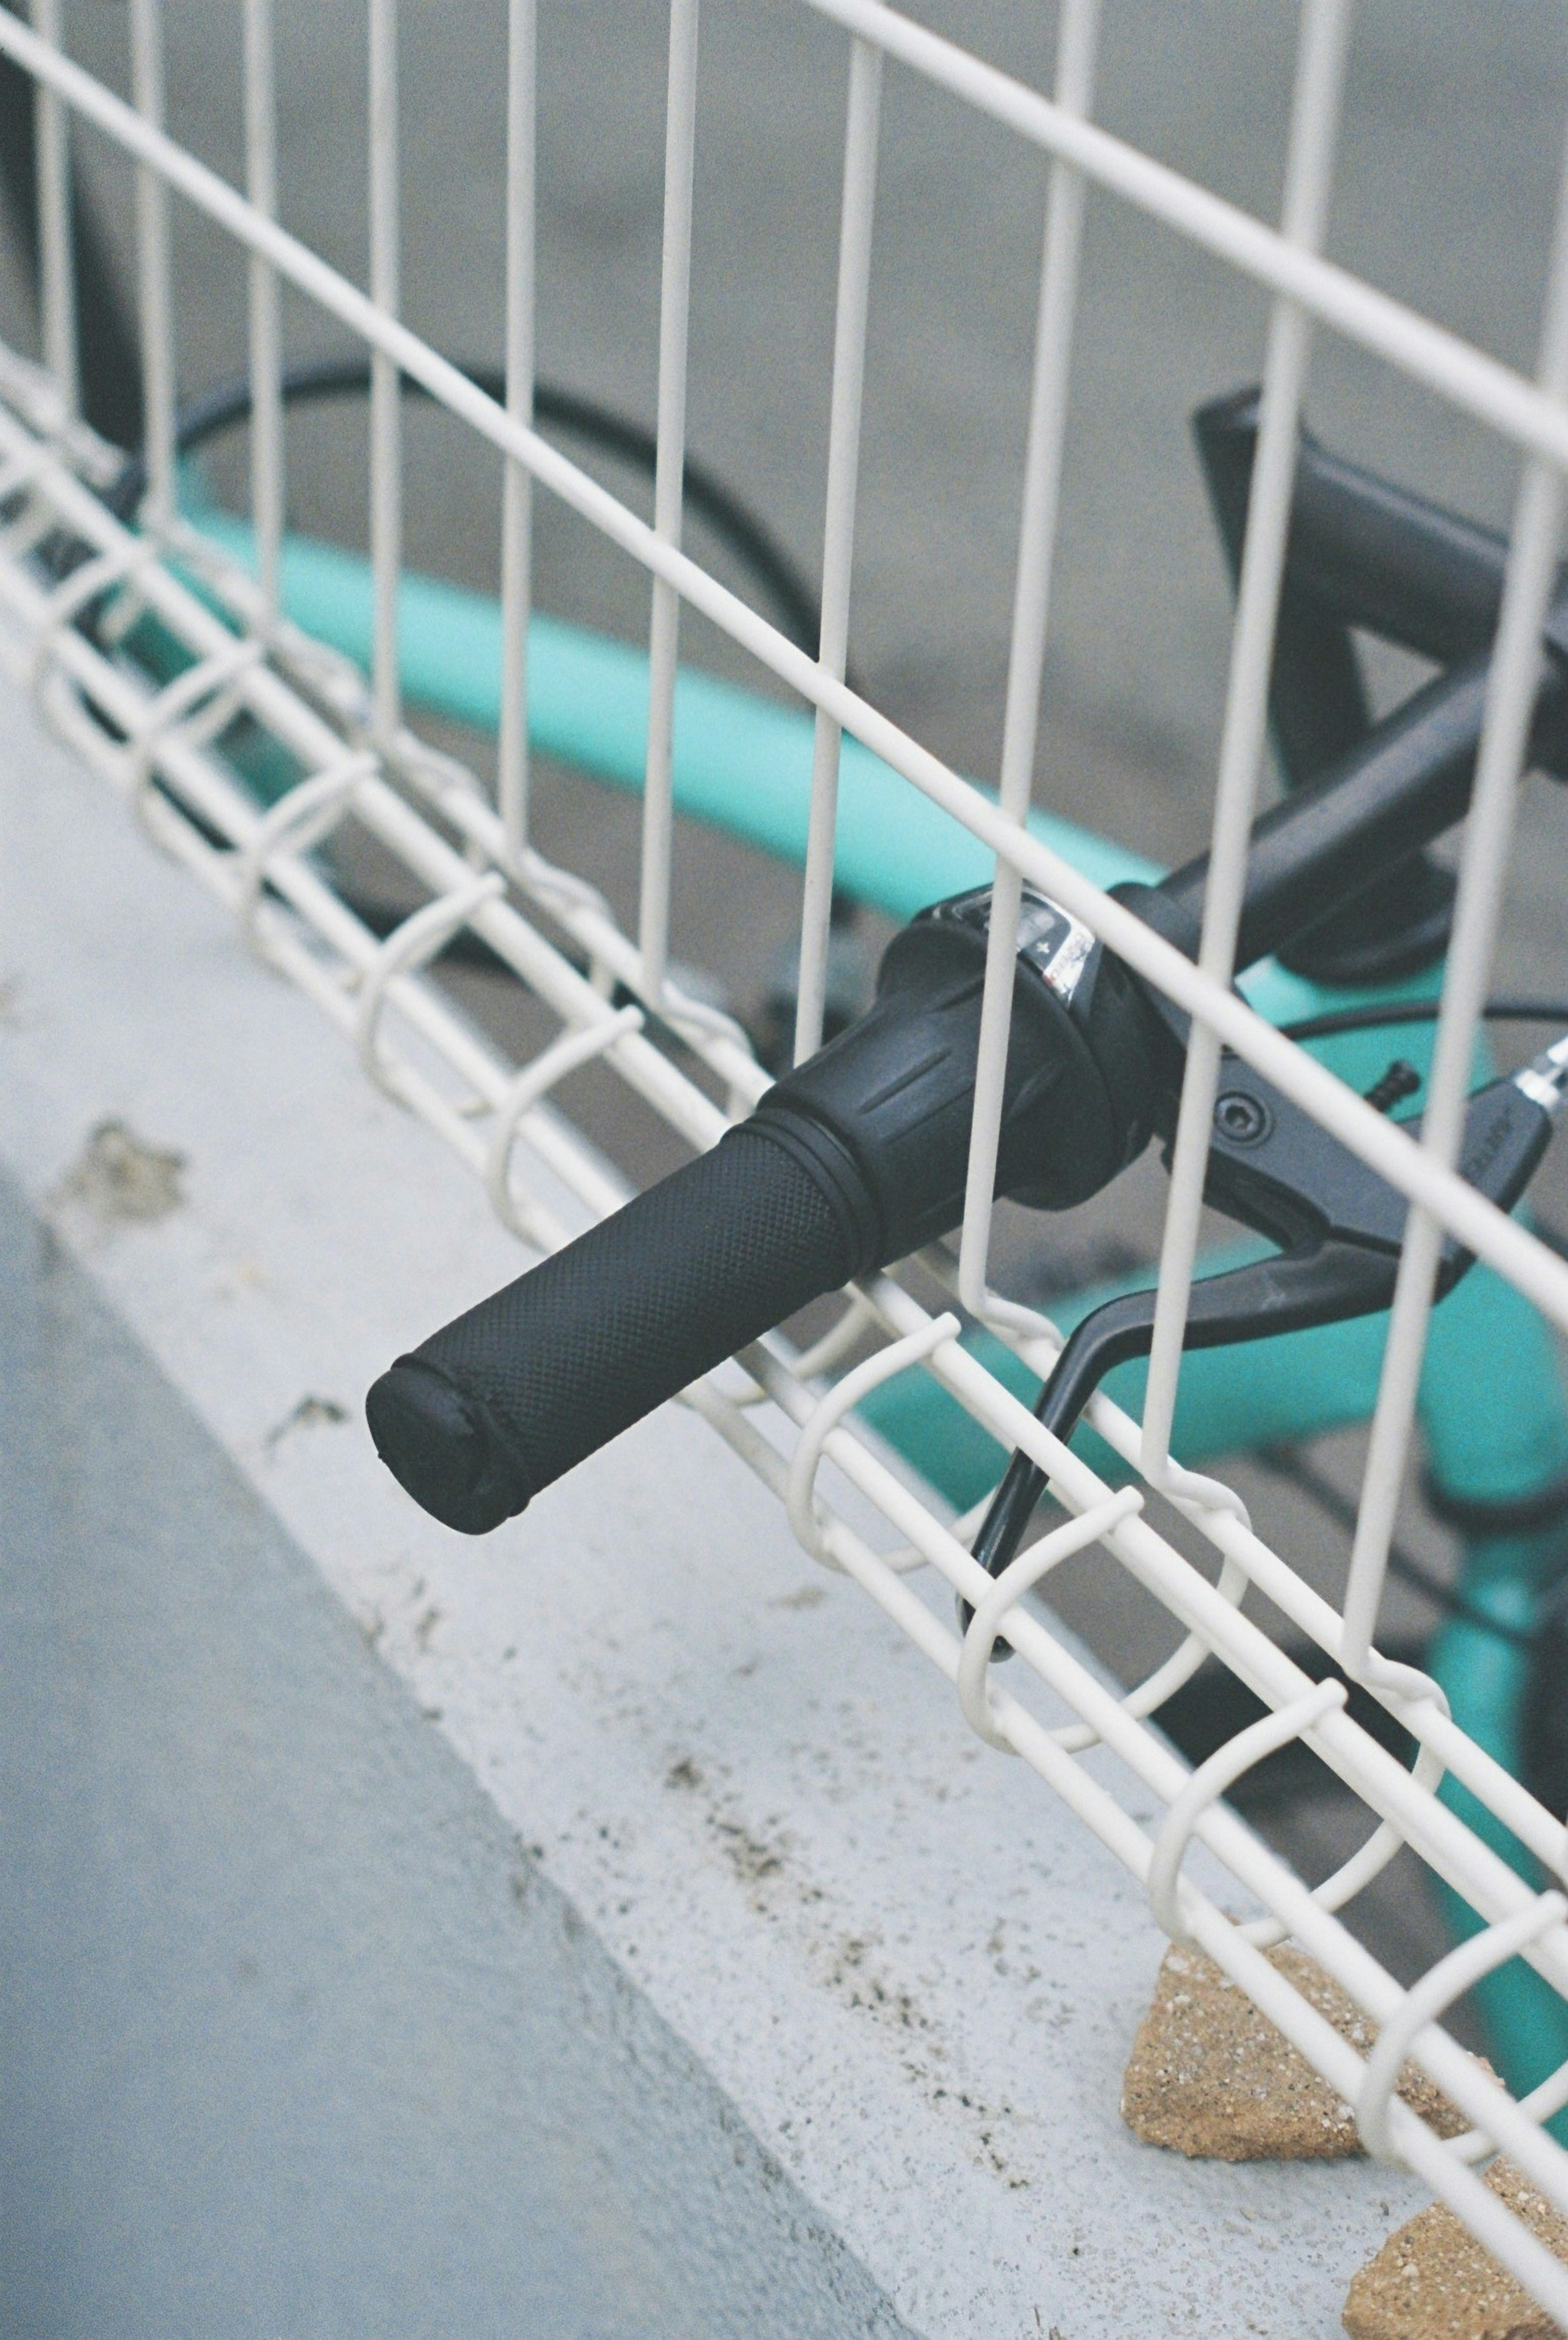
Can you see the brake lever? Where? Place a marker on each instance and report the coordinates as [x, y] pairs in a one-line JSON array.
[[1340, 1228]]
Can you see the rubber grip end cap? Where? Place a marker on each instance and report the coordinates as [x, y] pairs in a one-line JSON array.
[[442, 1445]]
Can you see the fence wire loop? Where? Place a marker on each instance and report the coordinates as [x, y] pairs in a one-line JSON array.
[[197, 703], [567, 1054], [823, 1354], [1222, 1770], [800, 1491], [1424, 2001], [19, 471], [1410, 1685], [297, 823], [1020, 1576], [1149, 1695], [1195, 1492], [407, 947], [118, 564], [1355, 1874]]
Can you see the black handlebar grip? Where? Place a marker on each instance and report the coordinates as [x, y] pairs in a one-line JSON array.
[[506, 1398]]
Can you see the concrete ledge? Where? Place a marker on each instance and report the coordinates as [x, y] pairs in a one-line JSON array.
[[811, 2015]]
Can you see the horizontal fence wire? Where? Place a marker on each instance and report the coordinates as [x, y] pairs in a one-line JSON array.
[[472, 864]]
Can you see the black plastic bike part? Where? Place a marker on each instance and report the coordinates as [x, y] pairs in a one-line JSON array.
[[1525, 1515], [857, 1158], [1371, 555], [1214, 1704], [1420, 1011], [1400, 1082], [1326, 844], [1362, 553], [503, 1400], [1340, 1228], [1317, 698], [108, 366], [228, 404], [1319, 712]]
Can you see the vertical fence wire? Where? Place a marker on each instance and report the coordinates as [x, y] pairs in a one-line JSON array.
[[57, 253], [1309, 183], [1511, 686], [154, 295], [1059, 262], [860, 206], [265, 320], [386, 418], [516, 492], [674, 320]]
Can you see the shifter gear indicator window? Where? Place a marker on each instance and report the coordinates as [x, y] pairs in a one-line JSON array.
[[1057, 946]]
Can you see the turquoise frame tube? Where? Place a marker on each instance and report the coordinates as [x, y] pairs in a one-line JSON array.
[[1492, 1403]]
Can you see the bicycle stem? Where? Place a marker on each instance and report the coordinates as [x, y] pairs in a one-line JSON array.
[[1324, 845]]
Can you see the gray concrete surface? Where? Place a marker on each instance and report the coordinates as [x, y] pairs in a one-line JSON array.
[[297, 2038]]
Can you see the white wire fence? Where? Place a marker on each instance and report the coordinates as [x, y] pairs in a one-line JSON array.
[[64, 557]]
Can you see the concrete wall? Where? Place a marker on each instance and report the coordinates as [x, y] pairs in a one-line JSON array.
[[295, 2039]]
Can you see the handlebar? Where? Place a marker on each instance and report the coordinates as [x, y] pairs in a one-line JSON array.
[[859, 1156], [853, 1160], [504, 1399]]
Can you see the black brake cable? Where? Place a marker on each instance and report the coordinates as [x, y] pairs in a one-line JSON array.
[[753, 544], [1420, 1011]]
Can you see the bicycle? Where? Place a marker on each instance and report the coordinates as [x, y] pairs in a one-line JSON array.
[[1091, 958]]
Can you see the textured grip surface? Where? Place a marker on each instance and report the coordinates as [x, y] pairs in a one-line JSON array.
[[506, 1398]]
